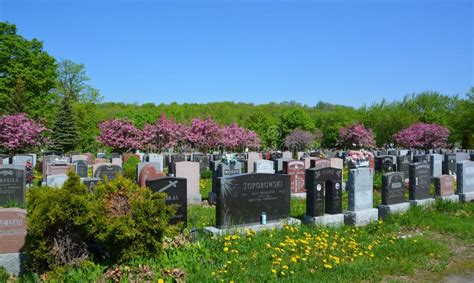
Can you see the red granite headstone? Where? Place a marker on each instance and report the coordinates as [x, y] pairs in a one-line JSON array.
[[12, 230], [296, 170], [149, 172], [319, 163], [444, 185]]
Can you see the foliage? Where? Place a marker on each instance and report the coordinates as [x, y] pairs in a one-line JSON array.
[[130, 221], [28, 74], [356, 136], [120, 135], [423, 136], [163, 134], [204, 134], [70, 226], [299, 140], [130, 167], [20, 133], [58, 225], [295, 119], [233, 137], [64, 135]]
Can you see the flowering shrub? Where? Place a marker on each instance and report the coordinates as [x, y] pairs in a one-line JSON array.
[[422, 136], [299, 139], [18, 132], [356, 136], [355, 156], [120, 135]]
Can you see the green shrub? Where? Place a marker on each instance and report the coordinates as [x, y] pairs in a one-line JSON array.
[[70, 226], [130, 221], [130, 167], [206, 174], [378, 181]]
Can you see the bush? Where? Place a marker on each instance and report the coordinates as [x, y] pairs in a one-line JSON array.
[[118, 221], [130, 167]]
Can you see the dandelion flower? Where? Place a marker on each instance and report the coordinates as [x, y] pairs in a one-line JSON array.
[[328, 266], [226, 249]]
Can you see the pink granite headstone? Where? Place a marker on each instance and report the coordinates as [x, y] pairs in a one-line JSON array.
[[12, 230], [149, 172]]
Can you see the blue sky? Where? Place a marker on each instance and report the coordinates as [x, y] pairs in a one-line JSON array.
[[343, 52]]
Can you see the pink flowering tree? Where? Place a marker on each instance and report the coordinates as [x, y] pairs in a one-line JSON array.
[[356, 136], [18, 133], [422, 136], [203, 134], [251, 139], [299, 140], [234, 138], [120, 134], [160, 135]]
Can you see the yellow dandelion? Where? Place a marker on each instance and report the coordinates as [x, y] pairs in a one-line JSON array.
[[274, 271], [328, 266], [226, 249], [161, 281], [282, 273], [285, 266]]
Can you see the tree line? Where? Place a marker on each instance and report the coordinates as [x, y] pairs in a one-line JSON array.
[[58, 92]]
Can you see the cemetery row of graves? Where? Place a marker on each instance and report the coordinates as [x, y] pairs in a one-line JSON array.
[[249, 192]]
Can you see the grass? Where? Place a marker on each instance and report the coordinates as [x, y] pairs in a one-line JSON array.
[[419, 245]]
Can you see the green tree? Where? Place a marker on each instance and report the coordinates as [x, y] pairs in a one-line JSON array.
[[28, 73], [295, 119], [64, 134]]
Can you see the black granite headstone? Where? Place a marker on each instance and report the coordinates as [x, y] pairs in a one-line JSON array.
[[392, 188], [172, 164], [421, 158], [109, 171], [12, 184], [243, 198], [176, 194], [319, 181], [403, 165], [449, 164], [81, 168], [420, 180], [203, 162]]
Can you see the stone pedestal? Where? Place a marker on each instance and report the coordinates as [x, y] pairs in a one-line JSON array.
[[423, 202], [466, 197], [325, 220], [451, 198], [194, 199], [299, 195], [386, 210], [255, 227], [12, 262], [361, 217]]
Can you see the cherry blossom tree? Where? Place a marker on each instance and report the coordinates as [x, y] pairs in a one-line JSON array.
[[299, 139], [422, 136], [160, 135], [356, 136], [19, 133], [120, 134], [204, 134]]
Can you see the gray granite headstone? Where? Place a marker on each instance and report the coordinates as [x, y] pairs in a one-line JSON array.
[[393, 191], [465, 177], [436, 161], [360, 189], [12, 184], [263, 166], [56, 180]]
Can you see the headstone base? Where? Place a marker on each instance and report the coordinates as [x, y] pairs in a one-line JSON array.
[[361, 218], [422, 202], [298, 195], [334, 220], [255, 227], [12, 263], [386, 210], [194, 199], [451, 198], [466, 197]]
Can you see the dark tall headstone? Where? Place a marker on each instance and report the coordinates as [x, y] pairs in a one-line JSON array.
[[12, 184], [393, 191], [320, 163], [81, 168], [319, 181], [108, 171], [403, 165], [421, 158], [176, 194], [420, 180], [175, 158], [385, 163], [203, 162], [449, 164], [244, 198]]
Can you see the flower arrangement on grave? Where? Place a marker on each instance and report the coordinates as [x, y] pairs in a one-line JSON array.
[[229, 159], [358, 158]]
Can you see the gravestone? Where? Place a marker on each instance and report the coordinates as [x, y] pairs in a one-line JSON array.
[[296, 170], [393, 195], [444, 188], [77, 157], [252, 157], [287, 154], [460, 156], [385, 163], [22, 159], [81, 168], [360, 192], [90, 183], [320, 163], [101, 155], [46, 160], [109, 171], [420, 180], [100, 161], [190, 171], [12, 239], [403, 165], [115, 155], [173, 159], [263, 166], [148, 171], [449, 165], [307, 161], [12, 184], [278, 164], [176, 194], [244, 198], [324, 196], [465, 180], [203, 161], [436, 161], [140, 166], [116, 161], [56, 181], [225, 169], [421, 158], [156, 159]]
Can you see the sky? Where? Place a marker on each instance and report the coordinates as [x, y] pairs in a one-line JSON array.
[[191, 51]]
